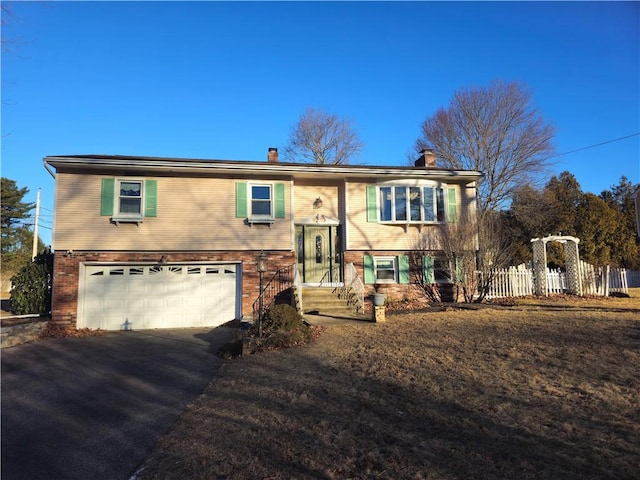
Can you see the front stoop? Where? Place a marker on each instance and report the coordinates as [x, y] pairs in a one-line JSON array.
[[327, 301]]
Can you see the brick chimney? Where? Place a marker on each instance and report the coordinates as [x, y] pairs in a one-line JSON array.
[[272, 157], [427, 159]]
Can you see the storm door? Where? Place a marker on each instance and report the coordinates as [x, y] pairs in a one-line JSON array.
[[318, 253]]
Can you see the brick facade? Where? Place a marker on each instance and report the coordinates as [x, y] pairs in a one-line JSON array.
[[66, 278], [393, 290]]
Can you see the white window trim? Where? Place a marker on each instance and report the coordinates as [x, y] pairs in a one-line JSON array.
[[394, 260], [270, 218], [441, 281], [124, 217], [407, 186]]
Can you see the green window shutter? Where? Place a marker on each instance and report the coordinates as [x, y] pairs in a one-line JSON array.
[[372, 208], [403, 269], [279, 199], [150, 198], [241, 200], [108, 195], [452, 213], [369, 272], [427, 270]]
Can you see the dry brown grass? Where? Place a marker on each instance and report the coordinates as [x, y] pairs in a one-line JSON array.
[[544, 389]]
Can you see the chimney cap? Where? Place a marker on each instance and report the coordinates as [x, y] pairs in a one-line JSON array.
[[272, 155], [427, 158]]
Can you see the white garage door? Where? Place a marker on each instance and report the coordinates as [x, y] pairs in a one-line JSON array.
[[122, 297]]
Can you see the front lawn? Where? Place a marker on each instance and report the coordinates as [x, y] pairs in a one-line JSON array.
[[543, 389]]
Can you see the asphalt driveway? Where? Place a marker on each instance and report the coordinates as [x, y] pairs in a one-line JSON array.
[[80, 408]]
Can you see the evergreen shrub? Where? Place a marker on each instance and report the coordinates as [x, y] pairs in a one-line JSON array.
[[31, 286]]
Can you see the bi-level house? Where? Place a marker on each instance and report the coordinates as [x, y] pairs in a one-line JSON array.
[[146, 242]]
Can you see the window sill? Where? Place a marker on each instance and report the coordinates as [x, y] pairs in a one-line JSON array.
[[402, 222], [119, 220], [260, 221], [406, 225]]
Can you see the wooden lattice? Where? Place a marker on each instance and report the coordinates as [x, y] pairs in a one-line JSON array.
[[572, 263]]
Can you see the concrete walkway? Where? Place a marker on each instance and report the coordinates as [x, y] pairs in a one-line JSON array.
[[92, 408]]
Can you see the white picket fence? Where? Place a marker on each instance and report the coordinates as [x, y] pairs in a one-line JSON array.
[[633, 278], [518, 281]]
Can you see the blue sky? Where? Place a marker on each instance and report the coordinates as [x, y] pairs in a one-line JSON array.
[[227, 80]]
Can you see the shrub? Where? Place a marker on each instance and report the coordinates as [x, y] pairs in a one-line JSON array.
[[282, 327], [281, 318], [31, 286]]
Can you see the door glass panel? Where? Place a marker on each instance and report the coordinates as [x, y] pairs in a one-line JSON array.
[[318, 249], [300, 247]]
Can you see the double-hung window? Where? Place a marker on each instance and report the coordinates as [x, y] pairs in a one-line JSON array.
[[261, 201], [417, 204], [436, 270], [386, 269], [128, 200]]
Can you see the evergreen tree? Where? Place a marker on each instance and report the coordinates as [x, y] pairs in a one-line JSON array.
[[604, 224], [17, 238]]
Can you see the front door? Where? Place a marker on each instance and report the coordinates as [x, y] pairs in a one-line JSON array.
[[318, 253]]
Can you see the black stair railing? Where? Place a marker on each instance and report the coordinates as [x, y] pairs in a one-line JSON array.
[[274, 291]]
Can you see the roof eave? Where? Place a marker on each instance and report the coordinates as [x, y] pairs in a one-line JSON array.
[[160, 165]]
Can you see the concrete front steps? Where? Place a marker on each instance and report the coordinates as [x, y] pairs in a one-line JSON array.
[[329, 302]]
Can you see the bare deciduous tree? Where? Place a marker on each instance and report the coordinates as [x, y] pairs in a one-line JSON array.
[[319, 137], [496, 130], [474, 249]]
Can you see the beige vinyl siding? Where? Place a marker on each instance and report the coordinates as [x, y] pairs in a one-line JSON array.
[[305, 193], [193, 214], [468, 201], [363, 235]]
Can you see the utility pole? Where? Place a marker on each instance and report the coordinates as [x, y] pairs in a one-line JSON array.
[[35, 227]]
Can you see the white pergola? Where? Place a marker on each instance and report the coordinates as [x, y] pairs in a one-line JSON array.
[[572, 263]]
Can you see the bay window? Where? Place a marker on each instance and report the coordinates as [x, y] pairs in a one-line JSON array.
[[425, 204]]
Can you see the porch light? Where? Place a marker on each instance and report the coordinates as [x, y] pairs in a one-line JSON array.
[[317, 203], [261, 262]]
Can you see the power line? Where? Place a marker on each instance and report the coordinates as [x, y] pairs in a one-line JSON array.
[[595, 145]]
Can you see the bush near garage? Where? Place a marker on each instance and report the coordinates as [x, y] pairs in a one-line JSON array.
[[282, 327], [31, 286]]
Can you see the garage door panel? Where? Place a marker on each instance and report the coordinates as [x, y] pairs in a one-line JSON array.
[[116, 297]]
